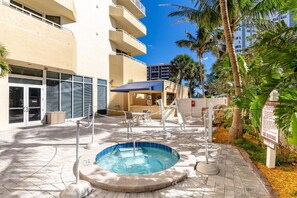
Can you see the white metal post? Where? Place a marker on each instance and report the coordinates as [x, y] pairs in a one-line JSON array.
[[77, 149], [93, 127], [210, 118]]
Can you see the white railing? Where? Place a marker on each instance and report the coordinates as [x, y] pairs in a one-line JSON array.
[[33, 15], [139, 5], [120, 30], [122, 7], [130, 57]]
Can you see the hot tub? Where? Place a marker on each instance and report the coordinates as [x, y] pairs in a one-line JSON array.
[[148, 167]]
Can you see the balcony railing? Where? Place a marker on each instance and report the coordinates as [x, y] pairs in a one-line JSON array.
[[120, 30], [31, 14], [139, 5], [130, 57]]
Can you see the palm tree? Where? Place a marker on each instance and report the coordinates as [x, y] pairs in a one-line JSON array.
[[205, 41], [210, 13], [178, 66], [192, 76], [4, 67]]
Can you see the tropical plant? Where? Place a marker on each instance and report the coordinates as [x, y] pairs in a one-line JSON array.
[[4, 67], [192, 76], [205, 41], [278, 51], [178, 67], [230, 14]]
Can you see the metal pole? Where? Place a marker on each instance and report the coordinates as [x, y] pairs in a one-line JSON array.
[[77, 148], [205, 134], [93, 127], [210, 118]]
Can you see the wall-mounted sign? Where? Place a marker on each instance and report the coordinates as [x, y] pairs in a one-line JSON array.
[[269, 129]]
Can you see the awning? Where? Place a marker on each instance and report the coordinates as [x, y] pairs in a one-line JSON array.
[[140, 86]]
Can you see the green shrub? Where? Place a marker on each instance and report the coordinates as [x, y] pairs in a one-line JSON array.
[[256, 152]]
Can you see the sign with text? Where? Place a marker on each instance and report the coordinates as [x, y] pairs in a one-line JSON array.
[[269, 129]]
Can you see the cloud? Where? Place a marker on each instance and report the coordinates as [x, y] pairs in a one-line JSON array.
[[205, 58], [150, 46]]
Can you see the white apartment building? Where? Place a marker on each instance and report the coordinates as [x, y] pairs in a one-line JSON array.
[[244, 32], [66, 55]]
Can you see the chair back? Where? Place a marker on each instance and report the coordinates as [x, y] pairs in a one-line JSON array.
[[128, 115]]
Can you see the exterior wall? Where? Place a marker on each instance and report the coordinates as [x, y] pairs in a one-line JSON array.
[[31, 41], [123, 70], [188, 110], [91, 31], [181, 91]]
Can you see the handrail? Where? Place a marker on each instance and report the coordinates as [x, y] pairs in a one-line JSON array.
[[120, 30], [31, 14], [119, 6], [139, 5], [130, 57]]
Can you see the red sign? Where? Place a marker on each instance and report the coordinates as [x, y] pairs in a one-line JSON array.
[[269, 129]]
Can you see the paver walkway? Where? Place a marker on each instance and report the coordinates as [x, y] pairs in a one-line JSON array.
[[37, 162]]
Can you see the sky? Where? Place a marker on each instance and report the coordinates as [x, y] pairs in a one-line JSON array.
[[164, 31]]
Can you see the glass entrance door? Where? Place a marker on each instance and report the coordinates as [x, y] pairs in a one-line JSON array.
[[25, 104]]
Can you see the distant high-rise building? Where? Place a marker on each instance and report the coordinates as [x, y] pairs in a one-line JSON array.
[[244, 31], [155, 72]]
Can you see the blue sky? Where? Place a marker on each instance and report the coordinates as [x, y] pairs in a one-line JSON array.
[[163, 31]]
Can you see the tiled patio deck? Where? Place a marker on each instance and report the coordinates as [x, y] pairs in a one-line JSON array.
[[37, 162]]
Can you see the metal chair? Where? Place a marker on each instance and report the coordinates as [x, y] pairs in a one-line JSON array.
[[147, 118], [129, 120]]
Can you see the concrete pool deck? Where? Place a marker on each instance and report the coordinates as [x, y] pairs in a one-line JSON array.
[[38, 162]]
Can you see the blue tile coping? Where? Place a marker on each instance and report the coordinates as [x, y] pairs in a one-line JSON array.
[[137, 144]]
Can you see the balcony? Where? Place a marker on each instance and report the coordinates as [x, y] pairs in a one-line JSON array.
[[63, 8], [134, 6], [32, 40], [127, 21], [124, 68], [127, 43]]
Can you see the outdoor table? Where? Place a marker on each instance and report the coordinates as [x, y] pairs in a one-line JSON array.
[[138, 115]]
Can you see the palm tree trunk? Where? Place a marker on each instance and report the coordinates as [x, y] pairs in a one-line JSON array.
[[191, 88], [236, 127], [201, 74]]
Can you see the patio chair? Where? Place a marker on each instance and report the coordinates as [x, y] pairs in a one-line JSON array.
[[129, 120], [147, 118]]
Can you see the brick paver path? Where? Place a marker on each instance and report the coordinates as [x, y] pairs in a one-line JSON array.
[[37, 162]]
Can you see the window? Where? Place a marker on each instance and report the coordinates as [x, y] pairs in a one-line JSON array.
[[52, 95], [55, 19], [36, 14], [26, 71], [66, 98], [71, 94], [102, 96]]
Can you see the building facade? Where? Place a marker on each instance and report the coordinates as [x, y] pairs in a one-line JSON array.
[[157, 72], [244, 32], [65, 55]]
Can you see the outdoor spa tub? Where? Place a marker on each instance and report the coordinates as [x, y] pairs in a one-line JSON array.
[[134, 166]]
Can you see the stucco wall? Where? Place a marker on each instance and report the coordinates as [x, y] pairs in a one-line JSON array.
[[30, 40]]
